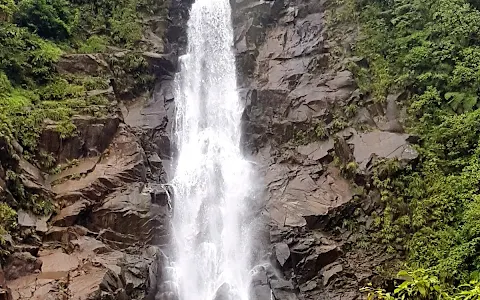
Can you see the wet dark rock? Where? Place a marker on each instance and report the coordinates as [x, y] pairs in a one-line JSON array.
[[330, 271], [132, 216], [112, 205], [69, 215], [146, 114], [161, 64], [343, 150], [94, 136], [33, 250]]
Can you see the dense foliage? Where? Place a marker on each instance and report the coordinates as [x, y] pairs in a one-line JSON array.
[[429, 49], [34, 34], [52, 19], [422, 284]]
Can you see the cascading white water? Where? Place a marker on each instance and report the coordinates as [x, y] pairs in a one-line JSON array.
[[212, 179]]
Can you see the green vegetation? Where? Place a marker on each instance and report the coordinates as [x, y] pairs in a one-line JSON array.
[[431, 50], [115, 22], [94, 44], [7, 218], [51, 19], [422, 284], [34, 34]]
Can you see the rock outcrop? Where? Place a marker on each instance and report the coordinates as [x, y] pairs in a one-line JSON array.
[[316, 138], [107, 236]]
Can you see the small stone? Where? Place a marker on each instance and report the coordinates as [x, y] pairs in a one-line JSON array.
[[282, 253], [330, 272], [309, 286]]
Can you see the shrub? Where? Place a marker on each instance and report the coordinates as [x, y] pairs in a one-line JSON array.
[[51, 19], [7, 218], [5, 85], [125, 25], [24, 57], [7, 8], [94, 44]]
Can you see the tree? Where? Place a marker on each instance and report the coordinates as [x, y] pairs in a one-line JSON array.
[[51, 19]]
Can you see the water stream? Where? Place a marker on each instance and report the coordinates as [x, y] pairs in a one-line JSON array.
[[212, 179]]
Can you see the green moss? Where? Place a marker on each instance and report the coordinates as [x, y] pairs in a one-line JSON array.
[[131, 74], [60, 89]]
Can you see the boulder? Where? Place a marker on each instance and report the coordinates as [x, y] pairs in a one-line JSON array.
[[381, 144], [21, 264], [301, 200], [132, 217], [58, 262], [282, 253], [69, 215], [84, 64], [330, 271], [161, 64], [93, 136], [28, 219], [122, 162], [316, 150]]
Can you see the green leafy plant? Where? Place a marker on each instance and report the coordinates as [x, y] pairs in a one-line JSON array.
[[7, 8], [7, 218], [94, 44], [52, 19]]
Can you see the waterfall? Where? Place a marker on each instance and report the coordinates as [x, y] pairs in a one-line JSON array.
[[212, 179]]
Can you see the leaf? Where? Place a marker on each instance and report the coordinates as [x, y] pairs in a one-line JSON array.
[[422, 291], [469, 103], [455, 99], [403, 273]]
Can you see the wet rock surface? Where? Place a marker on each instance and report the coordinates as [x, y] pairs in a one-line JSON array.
[[316, 139], [111, 223]]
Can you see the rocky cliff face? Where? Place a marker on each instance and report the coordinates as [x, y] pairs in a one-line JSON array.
[[316, 138], [108, 235]]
